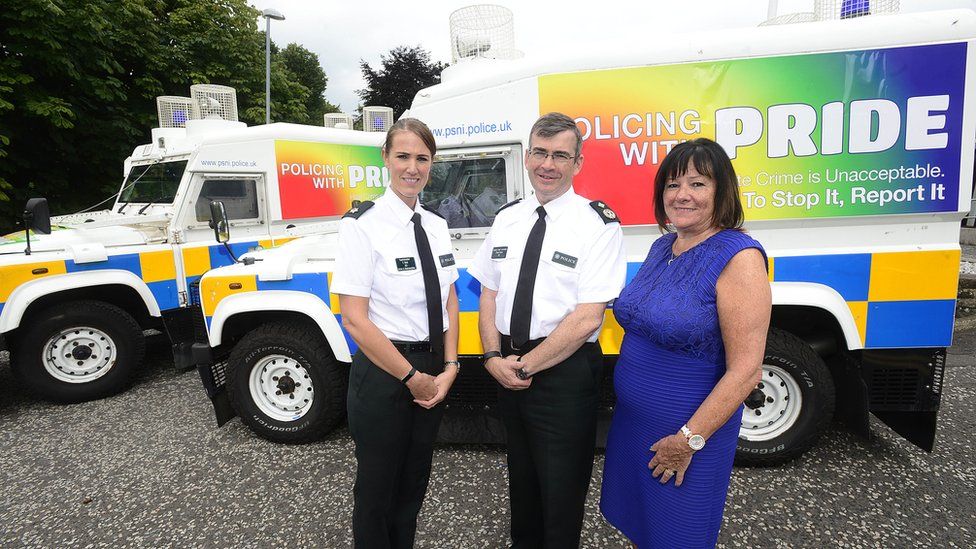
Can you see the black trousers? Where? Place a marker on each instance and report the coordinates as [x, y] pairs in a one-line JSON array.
[[394, 446], [551, 428]]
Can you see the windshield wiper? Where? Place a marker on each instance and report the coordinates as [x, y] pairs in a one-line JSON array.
[[121, 208], [150, 203]]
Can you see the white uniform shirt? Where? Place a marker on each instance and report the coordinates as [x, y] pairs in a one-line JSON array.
[[378, 259], [582, 261]]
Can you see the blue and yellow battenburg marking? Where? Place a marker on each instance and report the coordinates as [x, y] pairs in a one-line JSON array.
[[897, 300], [156, 268]]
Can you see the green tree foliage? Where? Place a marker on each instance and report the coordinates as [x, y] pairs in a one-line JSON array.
[[302, 67], [78, 81], [64, 91], [405, 71]]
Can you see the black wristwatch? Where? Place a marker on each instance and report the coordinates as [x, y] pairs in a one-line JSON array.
[[490, 355], [409, 375]]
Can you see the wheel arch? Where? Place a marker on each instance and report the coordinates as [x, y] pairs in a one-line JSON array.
[[120, 288], [237, 314], [817, 314]]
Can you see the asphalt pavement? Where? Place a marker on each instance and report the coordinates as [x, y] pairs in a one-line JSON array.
[[149, 468]]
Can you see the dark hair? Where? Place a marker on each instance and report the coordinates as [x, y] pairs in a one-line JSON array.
[[413, 126], [555, 123], [710, 160]]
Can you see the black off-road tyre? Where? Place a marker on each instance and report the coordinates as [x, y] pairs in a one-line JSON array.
[[54, 367], [271, 405], [775, 429]]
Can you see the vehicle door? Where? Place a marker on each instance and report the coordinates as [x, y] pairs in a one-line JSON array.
[[243, 196]]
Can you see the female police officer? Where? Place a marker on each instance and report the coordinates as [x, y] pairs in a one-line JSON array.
[[394, 277]]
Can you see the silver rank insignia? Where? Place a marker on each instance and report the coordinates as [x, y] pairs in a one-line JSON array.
[[359, 209], [604, 211]]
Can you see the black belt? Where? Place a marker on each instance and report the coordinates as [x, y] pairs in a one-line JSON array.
[[406, 347], [507, 348]]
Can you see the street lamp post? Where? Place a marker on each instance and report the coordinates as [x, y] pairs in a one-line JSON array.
[[268, 15]]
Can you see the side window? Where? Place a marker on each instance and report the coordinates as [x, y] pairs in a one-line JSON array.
[[467, 191], [240, 198]]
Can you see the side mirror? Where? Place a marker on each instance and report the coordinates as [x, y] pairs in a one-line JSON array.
[[218, 222], [37, 216]]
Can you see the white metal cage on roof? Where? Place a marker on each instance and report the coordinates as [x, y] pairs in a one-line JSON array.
[[377, 119], [483, 30], [790, 18], [212, 101], [847, 9], [338, 120], [827, 10], [173, 111]]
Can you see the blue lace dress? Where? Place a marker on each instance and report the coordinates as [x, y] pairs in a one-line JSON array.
[[672, 356]]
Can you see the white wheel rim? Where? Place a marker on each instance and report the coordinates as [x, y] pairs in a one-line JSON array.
[[779, 410], [281, 388], [79, 354]]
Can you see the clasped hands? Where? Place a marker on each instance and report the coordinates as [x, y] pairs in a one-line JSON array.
[[429, 391], [672, 455], [505, 372]]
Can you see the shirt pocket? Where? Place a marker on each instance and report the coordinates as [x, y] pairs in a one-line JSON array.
[[403, 283], [561, 259], [558, 275]]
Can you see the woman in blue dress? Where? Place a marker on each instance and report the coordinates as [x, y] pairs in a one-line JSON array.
[[695, 317]]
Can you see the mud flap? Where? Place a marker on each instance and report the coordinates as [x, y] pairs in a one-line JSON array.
[[851, 402], [214, 381], [905, 390], [188, 334], [180, 327], [917, 427]]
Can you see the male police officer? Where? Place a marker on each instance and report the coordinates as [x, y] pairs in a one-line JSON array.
[[547, 270]]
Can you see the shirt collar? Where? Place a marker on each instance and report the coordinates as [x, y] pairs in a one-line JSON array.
[[554, 208], [402, 212]]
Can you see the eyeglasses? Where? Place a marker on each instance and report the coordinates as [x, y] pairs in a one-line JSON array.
[[559, 158]]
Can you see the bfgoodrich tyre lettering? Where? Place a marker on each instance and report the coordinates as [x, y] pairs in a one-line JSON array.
[[285, 384], [789, 409]]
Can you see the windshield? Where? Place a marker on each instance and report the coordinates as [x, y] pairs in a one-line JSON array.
[[153, 182], [467, 192]]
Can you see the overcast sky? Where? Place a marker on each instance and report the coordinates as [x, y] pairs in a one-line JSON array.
[[343, 32]]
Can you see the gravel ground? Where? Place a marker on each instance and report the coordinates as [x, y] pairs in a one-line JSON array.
[[149, 468], [968, 263]]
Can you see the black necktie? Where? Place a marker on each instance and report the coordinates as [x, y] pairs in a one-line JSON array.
[[522, 306], [432, 287]]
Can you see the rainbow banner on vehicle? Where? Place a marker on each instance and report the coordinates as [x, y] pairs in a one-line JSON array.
[[867, 132], [322, 179]]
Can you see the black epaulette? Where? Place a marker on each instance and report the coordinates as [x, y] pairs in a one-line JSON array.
[[512, 203], [359, 209], [432, 210], [604, 211]]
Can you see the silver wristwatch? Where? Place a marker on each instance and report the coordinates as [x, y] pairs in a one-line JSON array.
[[695, 442]]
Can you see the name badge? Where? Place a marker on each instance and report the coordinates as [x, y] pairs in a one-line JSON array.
[[406, 264], [499, 252], [565, 259], [447, 260]]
